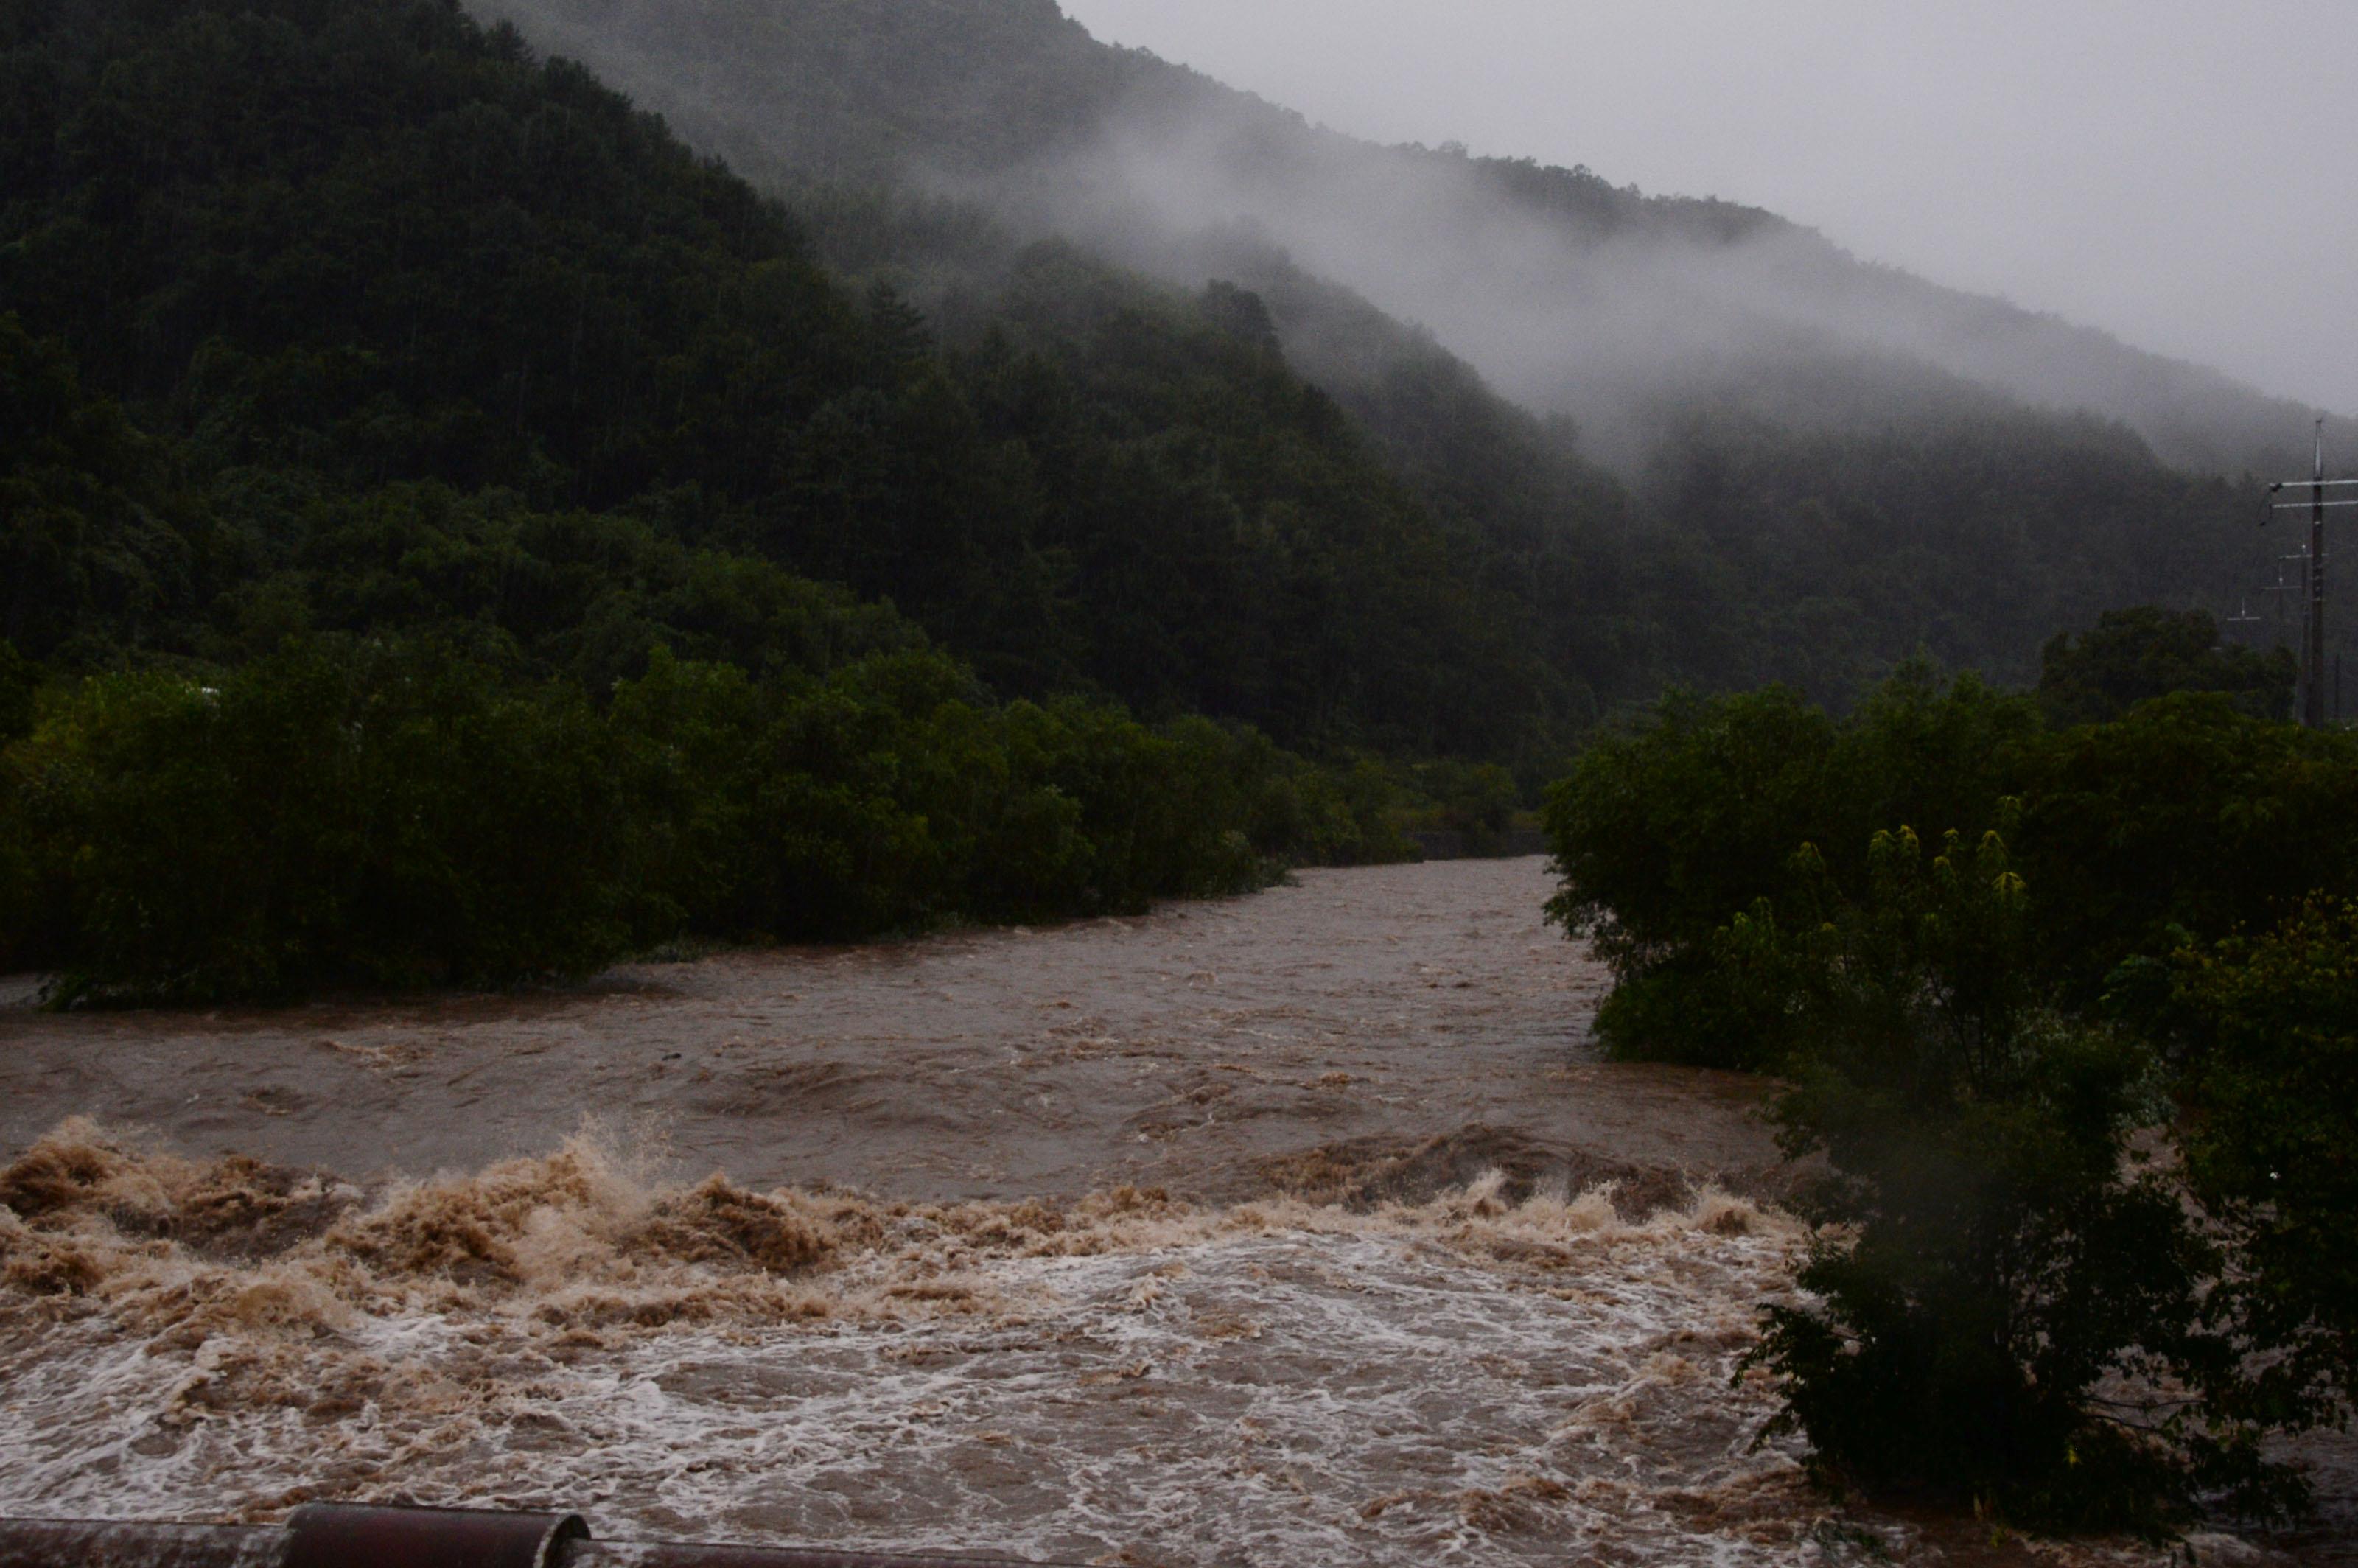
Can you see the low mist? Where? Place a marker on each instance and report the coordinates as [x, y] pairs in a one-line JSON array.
[[1569, 294], [1572, 296]]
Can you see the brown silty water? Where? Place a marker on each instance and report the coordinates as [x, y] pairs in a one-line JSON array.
[[1307, 1227], [1362, 1012]]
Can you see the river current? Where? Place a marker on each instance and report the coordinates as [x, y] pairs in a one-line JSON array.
[[1307, 1227]]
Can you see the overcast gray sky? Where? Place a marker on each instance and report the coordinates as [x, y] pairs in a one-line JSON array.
[[2179, 172]]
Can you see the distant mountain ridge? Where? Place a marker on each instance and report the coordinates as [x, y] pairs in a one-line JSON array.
[[1811, 467], [402, 323], [1567, 292]]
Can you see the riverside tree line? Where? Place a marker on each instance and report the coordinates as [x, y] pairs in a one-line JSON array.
[[2064, 988]]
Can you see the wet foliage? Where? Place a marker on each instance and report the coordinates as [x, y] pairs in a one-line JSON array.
[[2265, 1028], [2131, 655], [2014, 1310], [357, 314], [393, 814], [2185, 818], [2083, 1122]]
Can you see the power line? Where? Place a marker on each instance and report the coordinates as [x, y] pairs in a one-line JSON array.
[[2312, 664]]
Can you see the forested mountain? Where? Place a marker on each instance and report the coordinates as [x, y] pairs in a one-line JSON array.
[[1567, 292], [369, 318], [1822, 466], [446, 526]]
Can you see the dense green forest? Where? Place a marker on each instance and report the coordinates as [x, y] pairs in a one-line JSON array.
[[385, 410], [1269, 503], [316, 251], [390, 813], [352, 334], [2059, 985], [1804, 507]]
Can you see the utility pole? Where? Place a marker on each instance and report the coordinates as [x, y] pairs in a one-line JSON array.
[[2316, 705], [2285, 591], [2312, 669]]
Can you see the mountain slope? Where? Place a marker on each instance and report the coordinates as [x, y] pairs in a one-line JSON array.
[[324, 253], [411, 458], [1828, 466], [1567, 292]]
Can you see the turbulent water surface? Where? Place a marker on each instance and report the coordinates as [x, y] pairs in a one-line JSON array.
[[1360, 1014], [1301, 1229]]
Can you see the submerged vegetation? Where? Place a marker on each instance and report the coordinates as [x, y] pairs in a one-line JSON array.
[[2065, 1006]]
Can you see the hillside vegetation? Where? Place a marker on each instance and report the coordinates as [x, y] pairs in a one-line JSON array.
[[319, 249], [1569, 291], [386, 409], [352, 336], [1819, 466], [2059, 988]]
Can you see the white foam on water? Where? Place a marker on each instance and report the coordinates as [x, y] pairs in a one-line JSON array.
[[1122, 1381]]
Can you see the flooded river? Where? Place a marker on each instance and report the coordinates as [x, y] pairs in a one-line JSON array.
[[1299, 1228], [1362, 1013]]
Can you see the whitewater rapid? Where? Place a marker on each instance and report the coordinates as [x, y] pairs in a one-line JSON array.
[[1304, 1229], [1127, 1378]]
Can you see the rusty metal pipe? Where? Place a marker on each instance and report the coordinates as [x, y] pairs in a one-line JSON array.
[[329, 1536], [342, 1536], [123, 1544]]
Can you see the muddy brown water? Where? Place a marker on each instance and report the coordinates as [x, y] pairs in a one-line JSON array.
[[1362, 1013], [1301, 1228]]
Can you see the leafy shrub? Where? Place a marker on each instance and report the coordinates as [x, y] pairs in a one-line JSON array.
[[2185, 818], [2014, 1294], [1663, 833], [2266, 1029], [2134, 656], [376, 817]]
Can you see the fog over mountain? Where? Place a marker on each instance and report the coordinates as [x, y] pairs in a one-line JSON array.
[[2154, 167], [1568, 293]]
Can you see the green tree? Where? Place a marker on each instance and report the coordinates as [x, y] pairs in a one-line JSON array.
[[2134, 656], [2183, 818], [1663, 833], [379, 817], [2267, 1028], [2015, 1294]]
